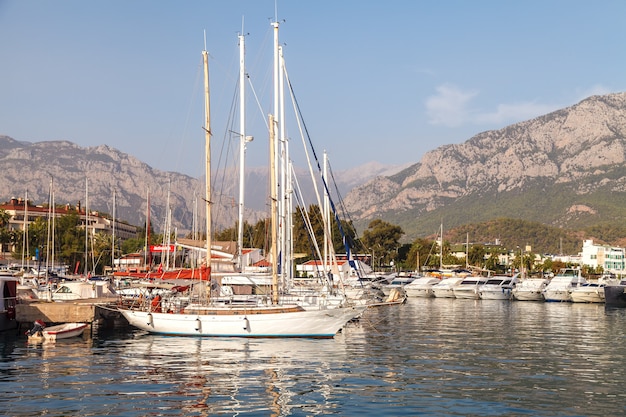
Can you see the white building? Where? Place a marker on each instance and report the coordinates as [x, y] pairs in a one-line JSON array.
[[22, 213], [610, 258]]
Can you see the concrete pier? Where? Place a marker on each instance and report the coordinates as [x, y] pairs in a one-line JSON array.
[[83, 311]]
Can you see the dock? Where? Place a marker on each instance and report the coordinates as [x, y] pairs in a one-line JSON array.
[[91, 310]]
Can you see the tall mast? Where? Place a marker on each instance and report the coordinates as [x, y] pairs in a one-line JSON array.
[[49, 237], [467, 251], [113, 236], [86, 269], [194, 230], [284, 207], [168, 227], [54, 217], [148, 255], [207, 152], [274, 155], [242, 145], [25, 245], [326, 216], [441, 246], [274, 212]]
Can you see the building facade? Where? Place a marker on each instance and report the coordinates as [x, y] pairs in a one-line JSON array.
[[22, 213], [610, 258]]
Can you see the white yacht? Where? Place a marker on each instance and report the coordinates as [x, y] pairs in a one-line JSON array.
[[445, 287], [468, 287], [562, 284], [398, 282], [421, 287], [498, 287], [592, 292], [530, 289]]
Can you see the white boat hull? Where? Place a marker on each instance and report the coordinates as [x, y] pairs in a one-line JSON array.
[[528, 295], [445, 287], [530, 289], [426, 292], [309, 323], [421, 287], [562, 284], [557, 295], [497, 294], [61, 331], [466, 293], [595, 295], [443, 292]]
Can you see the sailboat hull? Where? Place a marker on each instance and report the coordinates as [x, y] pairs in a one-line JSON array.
[[242, 323]]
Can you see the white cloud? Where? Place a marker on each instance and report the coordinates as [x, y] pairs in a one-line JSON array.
[[513, 113], [452, 107], [594, 90], [449, 107]]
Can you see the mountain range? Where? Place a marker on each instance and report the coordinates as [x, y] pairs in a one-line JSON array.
[[565, 169], [91, 175]]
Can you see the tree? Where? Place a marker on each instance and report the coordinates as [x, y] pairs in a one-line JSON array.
[[6, 236], [493, 263], [70, 239], [382, 239], [102, 244], [419, 251], [303, 242], [476, 255]]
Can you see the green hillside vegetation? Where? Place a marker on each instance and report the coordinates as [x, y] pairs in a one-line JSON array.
[[551, 216], [516, 233]]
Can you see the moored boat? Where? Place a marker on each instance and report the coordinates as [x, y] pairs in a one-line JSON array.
[[615, 295], [198, 315], [468, 287], [530, 289], [421, 287], [445, 287], [562, 284], [8, 294], [498, 287], [260, 321], [53, 333], [591, 292], [398, 282]]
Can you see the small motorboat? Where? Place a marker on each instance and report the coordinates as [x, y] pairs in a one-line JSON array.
[[53, 333]]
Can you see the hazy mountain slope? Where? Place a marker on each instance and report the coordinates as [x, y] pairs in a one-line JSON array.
[[30, 167], [565, 168]]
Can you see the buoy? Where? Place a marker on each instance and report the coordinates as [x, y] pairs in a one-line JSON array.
[[150, 320], [198, 325]]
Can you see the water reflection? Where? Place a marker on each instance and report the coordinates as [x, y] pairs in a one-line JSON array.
[[435, 357], [234, 374]]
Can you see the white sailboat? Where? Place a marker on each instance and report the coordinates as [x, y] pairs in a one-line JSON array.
[[196, 315]]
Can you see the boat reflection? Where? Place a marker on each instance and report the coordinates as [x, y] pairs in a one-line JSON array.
[[215, 376]]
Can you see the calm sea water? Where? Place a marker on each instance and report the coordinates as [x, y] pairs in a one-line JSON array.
[[440, 357]]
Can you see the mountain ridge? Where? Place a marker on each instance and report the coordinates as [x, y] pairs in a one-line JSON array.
[[571, 154], [30, 167], [565, 169]]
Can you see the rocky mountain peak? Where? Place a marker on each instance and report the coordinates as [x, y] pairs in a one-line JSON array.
[[572, 145]]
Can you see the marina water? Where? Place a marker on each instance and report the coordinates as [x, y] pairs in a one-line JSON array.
[[442, 357]]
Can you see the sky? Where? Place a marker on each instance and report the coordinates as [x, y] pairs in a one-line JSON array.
[[382, 81]]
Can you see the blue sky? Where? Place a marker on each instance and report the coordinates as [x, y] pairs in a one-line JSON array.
[[378, 81]]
